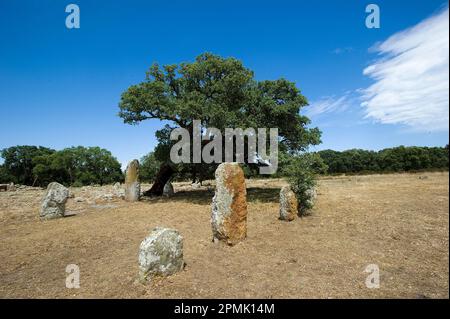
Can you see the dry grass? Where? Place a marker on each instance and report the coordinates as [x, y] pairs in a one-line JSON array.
[[399, 222]]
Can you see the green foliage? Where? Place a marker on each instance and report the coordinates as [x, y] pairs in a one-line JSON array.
[[301, 171], [220, 92], [398, 159], [18, 162], [149, 167], [30, 165], [5, 177]]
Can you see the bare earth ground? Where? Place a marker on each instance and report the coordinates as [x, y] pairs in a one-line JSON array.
[[399, 222]]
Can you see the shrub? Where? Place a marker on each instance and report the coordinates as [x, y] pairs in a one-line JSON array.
[[301, 174]]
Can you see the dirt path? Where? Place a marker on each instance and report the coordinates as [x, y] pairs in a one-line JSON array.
[[399, 222]]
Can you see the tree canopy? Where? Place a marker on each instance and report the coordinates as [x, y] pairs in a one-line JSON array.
[[397, 159], [31, 165], [221, 93]]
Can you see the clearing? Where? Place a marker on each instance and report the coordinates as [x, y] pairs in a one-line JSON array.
[[399, 222]]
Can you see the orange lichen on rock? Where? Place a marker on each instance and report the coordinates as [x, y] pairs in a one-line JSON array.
[[229, 207]]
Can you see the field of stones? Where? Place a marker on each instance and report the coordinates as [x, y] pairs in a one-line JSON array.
[[229, 238]]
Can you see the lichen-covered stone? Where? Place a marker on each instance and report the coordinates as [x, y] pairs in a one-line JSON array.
[[309, 202], [54, 201], [288, 204], [229, 205], [168, 189], [161, 253], [132, 184]]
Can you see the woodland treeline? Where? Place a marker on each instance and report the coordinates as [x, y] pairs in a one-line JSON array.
[[78, 166]]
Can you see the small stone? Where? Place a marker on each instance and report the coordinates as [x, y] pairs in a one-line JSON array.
[[288, 204], [161, 253], [196, 185], [79, 199], [54, 201], [108, 196], [229, 204], [168, 189]]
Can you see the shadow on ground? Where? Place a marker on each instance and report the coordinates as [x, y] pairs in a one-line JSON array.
[[204, 197]]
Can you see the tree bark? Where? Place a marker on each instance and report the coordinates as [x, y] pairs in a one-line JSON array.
[[164, 174]]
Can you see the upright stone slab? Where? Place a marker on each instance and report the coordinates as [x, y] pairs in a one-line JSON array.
[[161, 253], [288, 204], [54, 201], [229, 205], [132, 184]]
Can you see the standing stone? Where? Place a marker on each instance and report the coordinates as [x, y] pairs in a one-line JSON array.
[[132, 185], [288, 204], [229, 205], [54, 201], [311, 196], [168, 189], [11, 187], [161, 253]]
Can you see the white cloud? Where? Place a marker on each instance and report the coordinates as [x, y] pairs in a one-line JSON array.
[[411, 77], [329, 104]]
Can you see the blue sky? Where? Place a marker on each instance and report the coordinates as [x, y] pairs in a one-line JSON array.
[[368, 88]]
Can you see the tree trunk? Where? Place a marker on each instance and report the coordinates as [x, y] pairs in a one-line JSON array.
[[165, 173], [194, 174]]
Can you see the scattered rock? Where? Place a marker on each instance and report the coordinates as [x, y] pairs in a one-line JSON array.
[[196, 185], [161, 253], [132, 185], [70, 214], [288, 204], [229, 205], [54, 201], [107, 206], [168, 189], [108, 196]]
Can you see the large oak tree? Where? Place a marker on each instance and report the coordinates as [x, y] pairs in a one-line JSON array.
[[221, 93]]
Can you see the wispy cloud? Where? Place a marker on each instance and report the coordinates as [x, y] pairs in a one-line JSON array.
[[411, 77], [331, 104]]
